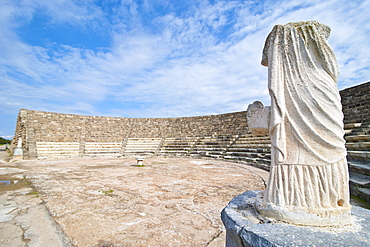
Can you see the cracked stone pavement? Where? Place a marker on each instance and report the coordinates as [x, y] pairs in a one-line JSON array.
[[112, 202]]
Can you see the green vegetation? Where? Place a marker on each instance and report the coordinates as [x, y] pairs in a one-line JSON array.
[[4, 141], [108, 192], [34, 193]]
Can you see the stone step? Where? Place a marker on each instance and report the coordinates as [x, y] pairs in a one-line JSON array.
[[363, 193], [103, 146], [246, 142], [139, 153], [359, 155], [56, 150], [57, 156], [359, 167], [57, 143], [172, 152], [254, 137], [255, 150], [209, 147], [58, 146], [50, 154], [214, 156], [235, 148], [249, 154], [352, 125], [359, 180], [210, 141], [206, 142], [207, 154], [220, 137], [133, 150], [175, 147], [358, 146], [249, 159], [102, 149], [181, 138], [140, 146], [201, 149], [101, 154], [357, 138], [103, 143], [247, 138], [143, 139], [178, 143], [44, 149]]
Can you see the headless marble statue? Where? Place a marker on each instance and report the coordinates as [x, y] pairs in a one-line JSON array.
[[308, 182]]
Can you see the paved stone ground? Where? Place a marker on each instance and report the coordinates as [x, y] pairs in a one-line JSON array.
[[112, 202]]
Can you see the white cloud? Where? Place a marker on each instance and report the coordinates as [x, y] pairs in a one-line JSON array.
[[204, 60]]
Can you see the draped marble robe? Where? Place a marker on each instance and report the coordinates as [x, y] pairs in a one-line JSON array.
[[308, 181]]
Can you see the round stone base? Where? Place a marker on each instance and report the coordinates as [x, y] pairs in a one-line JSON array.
[[323, 217]]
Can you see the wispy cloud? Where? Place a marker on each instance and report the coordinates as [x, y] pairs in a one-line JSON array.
[[159, 58]]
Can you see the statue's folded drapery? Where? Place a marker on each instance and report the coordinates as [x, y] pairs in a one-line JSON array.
[[309, 167]]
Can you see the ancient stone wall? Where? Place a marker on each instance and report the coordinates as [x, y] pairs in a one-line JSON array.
[[38, 126], [356, 103]]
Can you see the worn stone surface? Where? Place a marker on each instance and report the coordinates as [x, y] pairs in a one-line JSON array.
[[112, 202], [24, 219], [258, 118], [245, 228], [356, 103], [308, 181]]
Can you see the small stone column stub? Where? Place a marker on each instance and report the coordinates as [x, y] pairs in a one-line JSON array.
[[140, 160], [81, 147]]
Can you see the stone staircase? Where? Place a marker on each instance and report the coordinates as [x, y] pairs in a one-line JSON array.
[[110, 149], [179, 146], [251, 149], [142, 146], [213, 146], [358, 155], [47, 150]]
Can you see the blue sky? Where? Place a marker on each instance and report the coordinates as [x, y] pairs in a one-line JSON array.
[[161, 58]]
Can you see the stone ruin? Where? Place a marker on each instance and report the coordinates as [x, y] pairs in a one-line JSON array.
[[309, 181], [241, 136], [258, 117]]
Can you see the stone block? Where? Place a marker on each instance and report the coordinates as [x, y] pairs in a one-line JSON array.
[[245, 228], [258, 118]]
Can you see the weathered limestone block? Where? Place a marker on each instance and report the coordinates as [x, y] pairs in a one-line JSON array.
[[308, 183], [245, 228], [18, 151], [258, 118]]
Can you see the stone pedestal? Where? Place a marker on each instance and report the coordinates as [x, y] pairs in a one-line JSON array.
[[18, 154], [140, 161], [245, 228], [258, 118]]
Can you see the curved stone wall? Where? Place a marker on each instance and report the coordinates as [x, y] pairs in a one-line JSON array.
[[37, 126], [38, 129]]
